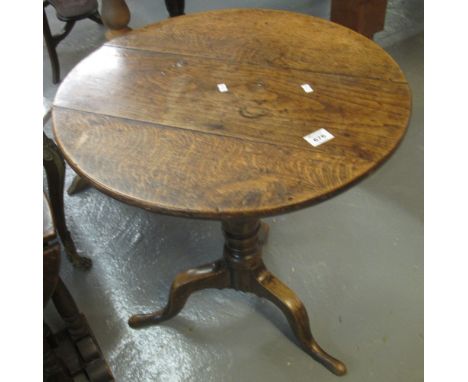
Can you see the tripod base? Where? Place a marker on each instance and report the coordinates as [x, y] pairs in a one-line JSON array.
[[242, 268]]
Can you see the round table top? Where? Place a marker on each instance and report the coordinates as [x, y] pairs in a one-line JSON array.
[[205, 115]]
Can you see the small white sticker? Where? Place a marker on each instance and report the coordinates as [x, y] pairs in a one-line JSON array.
[[318, 137], [307, 88], [222, 88]]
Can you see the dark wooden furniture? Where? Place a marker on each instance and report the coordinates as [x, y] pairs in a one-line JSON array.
[[74, 350], [68, 11], [54, 166], [364, 16], [161, 136]]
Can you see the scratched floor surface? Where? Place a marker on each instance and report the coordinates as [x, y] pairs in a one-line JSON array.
[[356, 261]]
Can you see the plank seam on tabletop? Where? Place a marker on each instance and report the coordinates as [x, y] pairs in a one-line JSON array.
[[257, 64], [305, 148]]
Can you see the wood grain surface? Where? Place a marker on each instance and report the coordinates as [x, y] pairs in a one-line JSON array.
[[142, 118]]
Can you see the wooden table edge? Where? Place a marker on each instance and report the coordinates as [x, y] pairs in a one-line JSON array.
[[227, 214], [115, 41]]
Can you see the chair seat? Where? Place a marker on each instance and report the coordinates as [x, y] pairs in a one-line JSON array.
[[67, 9]]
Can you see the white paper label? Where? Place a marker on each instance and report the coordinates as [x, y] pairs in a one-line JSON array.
[[307, 88], [222, 88], [318, 137]]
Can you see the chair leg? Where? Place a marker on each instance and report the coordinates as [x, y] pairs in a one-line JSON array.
[[66, 31], [52, 41], [67, 309], [50, 44], [175, 7], [55, 171], [96, 17]]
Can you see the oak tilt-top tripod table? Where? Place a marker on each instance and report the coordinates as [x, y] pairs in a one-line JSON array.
[[205, 115]]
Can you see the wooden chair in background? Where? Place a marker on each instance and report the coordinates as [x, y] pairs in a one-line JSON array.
[[68, 11]]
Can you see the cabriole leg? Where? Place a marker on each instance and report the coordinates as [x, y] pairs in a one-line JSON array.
[[54, 166], [213, 275]]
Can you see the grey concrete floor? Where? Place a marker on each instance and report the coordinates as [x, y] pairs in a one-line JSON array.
[[356, 261]]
